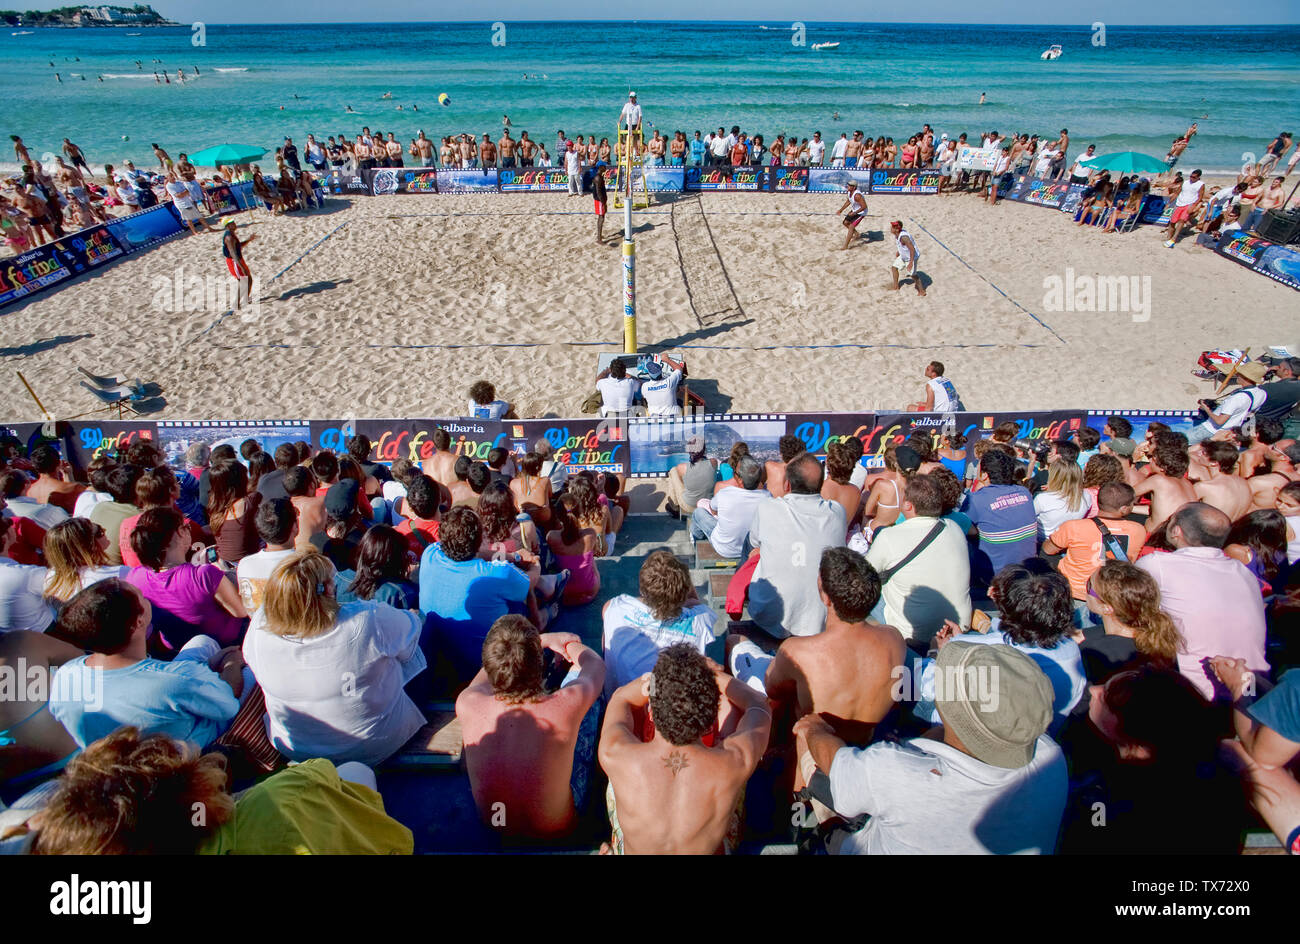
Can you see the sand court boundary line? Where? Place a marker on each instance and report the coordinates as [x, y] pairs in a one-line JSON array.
[[921, 226]]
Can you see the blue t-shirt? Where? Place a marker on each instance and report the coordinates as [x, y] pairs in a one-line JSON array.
[[697, 151], [1279, 709], [182, 699], [462, 599], [402, 594], [1007, 525]]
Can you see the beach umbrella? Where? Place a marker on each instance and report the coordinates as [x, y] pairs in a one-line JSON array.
[[226, 154], [1126, 163]]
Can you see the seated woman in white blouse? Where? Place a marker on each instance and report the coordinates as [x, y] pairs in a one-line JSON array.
[[333, 673], [1062, 499]]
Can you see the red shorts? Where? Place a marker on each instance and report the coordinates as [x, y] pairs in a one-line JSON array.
[[238, 268], [1180, 215], [600, 207]]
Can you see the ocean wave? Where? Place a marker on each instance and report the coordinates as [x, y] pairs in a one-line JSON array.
[[128, 75], [233, 69]]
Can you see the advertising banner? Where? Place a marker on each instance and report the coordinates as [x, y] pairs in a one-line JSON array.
[[835, 179], [146, 228], [1073, 197], [665, 179], [1180, 421], [341, 183], [659, 444], [1031, 426], [90, 439], [1046, 193], [468, 181], [175, 437], [1154, 211], [724, 178], [515, 179], [1279, 263], [818, 430], [220, 199], [787, 179], [47, 266], [898, 180], [977, 159]]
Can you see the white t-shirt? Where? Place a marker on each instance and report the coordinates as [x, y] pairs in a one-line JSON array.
[[934, 586], [1079, 170], [339, 695], [1238, 406], [735, 509], [1053, 512], [88, 500], [572, 163], [91, 575], [633, 637], [180, 195], [47, 516], [816, 151], [22, 604], [487, 411], [661, 395], [630, 116], [904, 249], [837, 151], [616, 395], [792, 531], [719, 146], [945, 394], [927, 797], [252, 573], [1190, 193]]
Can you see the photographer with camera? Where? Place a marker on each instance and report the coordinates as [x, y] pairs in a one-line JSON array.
[[1231, 411]]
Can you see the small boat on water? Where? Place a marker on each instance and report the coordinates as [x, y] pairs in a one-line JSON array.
[[22, 33], [1052, 52], [825, 45]]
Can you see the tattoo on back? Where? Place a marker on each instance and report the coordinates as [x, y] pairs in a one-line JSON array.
[[676, 761]]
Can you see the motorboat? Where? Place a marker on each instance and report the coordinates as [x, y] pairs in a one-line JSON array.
[[825, 45], [1053, 52]]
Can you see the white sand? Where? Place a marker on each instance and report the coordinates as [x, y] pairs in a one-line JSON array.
[[416, 297]]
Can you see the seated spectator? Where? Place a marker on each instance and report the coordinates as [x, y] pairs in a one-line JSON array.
[[76, 557], [1101, 469], [587, 509], [1231, 410], [461, 492], [13, 487], [533, 490], [790, 534], [790, 446], [1001, 784], [313, 807], [1215, 478], [35, 743], [1088, 440], [1158, 773], [608, 490], [300, 483], [1062, 498], [692, 480], [1166, 480], [505, 530], [218, 454], [1267, 725], [187, 599], [271, 484], [1134, 629], [341, 538], [1088, 542], [551, 468], [27, 544], [1259, 540], [155, 488], [22, 586], [668, 611], [1004, 515], [420, 510], [678, 766], [259, 464], [575, 549], [332, 673], [884, 501], [277, 526], [110, 515], [528, 751], [97, 472], [924, 566], [727, 470], [359, 448], [726, 518], [394, 490], [840, 463], [951, 493], [383, 561], [462, 595], [497, 461], [847, 672], [350, 471], [1214, 600], [51, 487], [484, 405], [194, 697], [1035, 617]]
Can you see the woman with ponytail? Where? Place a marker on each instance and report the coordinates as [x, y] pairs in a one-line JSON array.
[[1134, 630]]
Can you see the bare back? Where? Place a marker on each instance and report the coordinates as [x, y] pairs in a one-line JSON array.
[[847, 495], [311, 519], [775, 477], [1228, 493], [1168, 494]]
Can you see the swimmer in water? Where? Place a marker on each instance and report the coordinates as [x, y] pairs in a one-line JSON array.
[[56, 75], [982, 99], [350, 109], [387, 95], [196, 70]]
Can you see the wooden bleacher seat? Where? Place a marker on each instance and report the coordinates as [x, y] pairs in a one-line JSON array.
[[437, 744], [707, 557]]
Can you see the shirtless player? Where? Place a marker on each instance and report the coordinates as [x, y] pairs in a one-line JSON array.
[[1219, 486], [1167, 484], [673, 793]]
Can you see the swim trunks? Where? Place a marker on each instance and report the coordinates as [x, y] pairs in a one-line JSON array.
[[238, 268], [854, 218], [600, 207]]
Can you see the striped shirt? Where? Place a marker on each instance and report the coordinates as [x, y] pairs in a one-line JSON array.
[[1008, 528]]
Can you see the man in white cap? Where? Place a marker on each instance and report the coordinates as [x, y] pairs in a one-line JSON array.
[[856, 204], [631, 117], [906, 257], [991, 781]]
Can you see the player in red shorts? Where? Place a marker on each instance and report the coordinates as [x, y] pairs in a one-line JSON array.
[[232, 247]]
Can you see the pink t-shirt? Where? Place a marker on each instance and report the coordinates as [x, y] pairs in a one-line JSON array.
[[184, 603], [1217, 605]]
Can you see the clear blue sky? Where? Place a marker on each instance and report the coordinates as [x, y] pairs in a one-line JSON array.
[[1110, 12]]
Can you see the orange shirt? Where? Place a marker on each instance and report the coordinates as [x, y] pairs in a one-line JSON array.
[[1082, 542]]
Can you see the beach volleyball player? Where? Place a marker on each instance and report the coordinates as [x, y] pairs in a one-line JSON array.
[[232, 247], [856, 204]]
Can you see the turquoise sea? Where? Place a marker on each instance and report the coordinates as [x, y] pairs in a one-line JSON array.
[[259, 83]]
